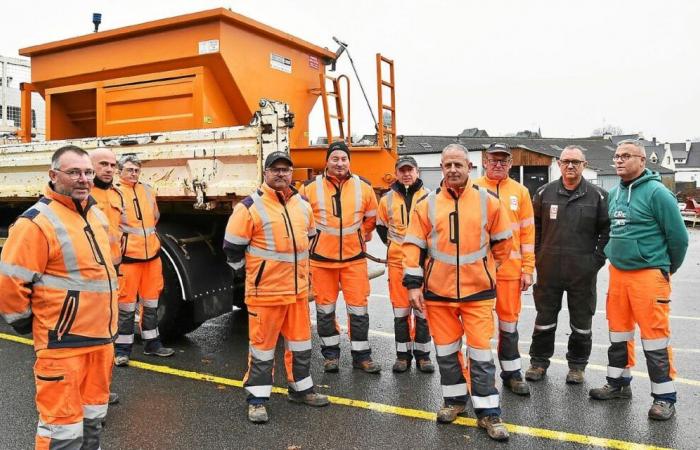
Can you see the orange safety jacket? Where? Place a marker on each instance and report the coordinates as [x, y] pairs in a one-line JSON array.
[[56, 276], [138, 223], [454, 242], [111, 203], [393, 215], [516, 199], [269, 234], [345, 211]]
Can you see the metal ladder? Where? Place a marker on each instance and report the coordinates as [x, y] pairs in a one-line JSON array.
[[339, 115], [386, 133]]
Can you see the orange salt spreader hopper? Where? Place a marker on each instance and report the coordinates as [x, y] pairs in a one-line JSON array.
[[208, 69]]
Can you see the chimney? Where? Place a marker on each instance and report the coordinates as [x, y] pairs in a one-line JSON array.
[[653, 141], [687, 145]]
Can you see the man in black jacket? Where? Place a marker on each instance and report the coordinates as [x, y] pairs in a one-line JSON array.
[[571, 230]]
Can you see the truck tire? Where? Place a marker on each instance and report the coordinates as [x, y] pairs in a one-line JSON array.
[[175, 315]]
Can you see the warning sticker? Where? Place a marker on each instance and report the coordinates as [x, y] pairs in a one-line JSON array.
[[513, 203], [280, 63], [553, 211], [209, 47], [313, 62]]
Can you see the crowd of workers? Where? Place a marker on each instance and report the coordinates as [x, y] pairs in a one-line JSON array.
[[79, 263]]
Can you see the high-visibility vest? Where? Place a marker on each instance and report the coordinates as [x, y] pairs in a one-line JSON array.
[[344, 212], [138, 223], [111, 203], [516, 199], [57, 276], [394, 214], [269, 233], [463, 237]]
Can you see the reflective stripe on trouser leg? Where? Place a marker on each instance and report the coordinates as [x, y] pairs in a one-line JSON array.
[[149, 321], [454, 386], [299, 354], [50, 436], [327, 328], [548, 304], [659, 363], [580, 345], [422, 341], [482, 371], [508, 353], [92, 425], [258, 379], [125, 337], [621, 344], [359, 332], [402, 333], [581, 298]]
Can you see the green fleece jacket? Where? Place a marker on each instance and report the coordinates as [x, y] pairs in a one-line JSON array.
[[646, 227]]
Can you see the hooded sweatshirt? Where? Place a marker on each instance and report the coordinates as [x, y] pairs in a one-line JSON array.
[[646, 227]]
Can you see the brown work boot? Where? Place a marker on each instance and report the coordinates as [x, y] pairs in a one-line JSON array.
[[535, 373], [449, 413], [425, 365], [400, 366], [608, 392], [367, 366], [575, 376], [330, 366], [516, 385], [257, 413], [495, 427], [661, 410], [311, 399]]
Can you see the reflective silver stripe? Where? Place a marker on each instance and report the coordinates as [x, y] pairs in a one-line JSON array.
[[336, 231], [71, 284], [418, 314], [621, 336], [389, 205], [413, 271], [94, 411], [137, 231], [330, 340], [545, 327], [358, 202], [527, 248], [514, 226], [401, 312], [655, 344], [24, 274], [448, 349], [302, 385], [508, 327], [262, 355], [616, 372], [483, 203], [237, 265], [101, 218], [359, 345], [151, 199], [511, 366], [432, 218], [381, 222], [402, 346], [298, 346], [579, 330], [14, 317], [275, 255], [265, 219], [371, 213], [502, 235], [663, 388], [421, 346], [480, 354], [357, 310], [491, 401], [259, 391], [321, 195], [149, 303], [326, 309], [236, 240], [149, 334], [303, 207], [125, 339], [409, 239], [395, 236], [127, 307], [454, 390], [463, 259], [70, 259], [527, 222], [67, 432], [514, 254]]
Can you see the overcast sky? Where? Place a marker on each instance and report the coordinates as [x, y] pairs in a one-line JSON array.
[[565, 67]]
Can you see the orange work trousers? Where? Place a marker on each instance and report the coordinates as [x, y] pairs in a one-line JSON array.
[[411, 332], [142, 280], [71, 397], [641, 297], [265, 324], [508, 308], [326, 283], [449, 322]]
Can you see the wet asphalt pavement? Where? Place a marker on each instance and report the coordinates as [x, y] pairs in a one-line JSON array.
[[183, 410]]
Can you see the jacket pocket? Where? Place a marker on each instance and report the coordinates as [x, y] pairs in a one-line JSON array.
[[627, 251], [69, 311], [259, 275], [428, 271], [54, 390]]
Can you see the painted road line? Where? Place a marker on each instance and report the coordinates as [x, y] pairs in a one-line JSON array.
[[544, 433], [602, 311]]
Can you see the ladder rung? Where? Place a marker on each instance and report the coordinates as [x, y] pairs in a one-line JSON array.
[[335, 117], [390, 108], [389, 131], [331, 94], [387, 84]]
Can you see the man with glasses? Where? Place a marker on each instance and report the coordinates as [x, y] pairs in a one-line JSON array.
[[648, 242], [267, 238], [571, 230], [58, 282], [141, 267], [515, 274]]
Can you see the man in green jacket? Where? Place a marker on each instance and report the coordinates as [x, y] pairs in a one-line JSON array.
[[648, 242]]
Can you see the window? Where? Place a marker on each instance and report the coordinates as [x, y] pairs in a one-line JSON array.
[[14, 113]]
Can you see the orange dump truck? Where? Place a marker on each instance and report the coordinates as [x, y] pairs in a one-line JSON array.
[[202, 99]]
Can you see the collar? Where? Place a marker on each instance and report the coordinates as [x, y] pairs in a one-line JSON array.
[[127, 183], [455, 193], [412, 189], [283, 197], [68, 202], [580, 190]]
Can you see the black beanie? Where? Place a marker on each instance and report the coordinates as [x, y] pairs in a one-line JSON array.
[[339, 145]]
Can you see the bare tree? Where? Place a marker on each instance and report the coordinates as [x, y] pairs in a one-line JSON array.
[[607, 129]]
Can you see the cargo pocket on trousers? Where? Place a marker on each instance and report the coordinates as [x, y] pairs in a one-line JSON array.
[[660, 314], [55, 397], [255, 329]]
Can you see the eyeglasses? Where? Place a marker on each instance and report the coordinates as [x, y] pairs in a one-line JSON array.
[[625, 157], [280, 170], [132, 170], [496, 162], [573, 162], [74, 174]]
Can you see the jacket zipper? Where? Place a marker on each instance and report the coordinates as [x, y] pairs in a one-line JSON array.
[[457, 243], [338, 190], [294, 244], [140, 213], [258, 277], [488, 274]]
